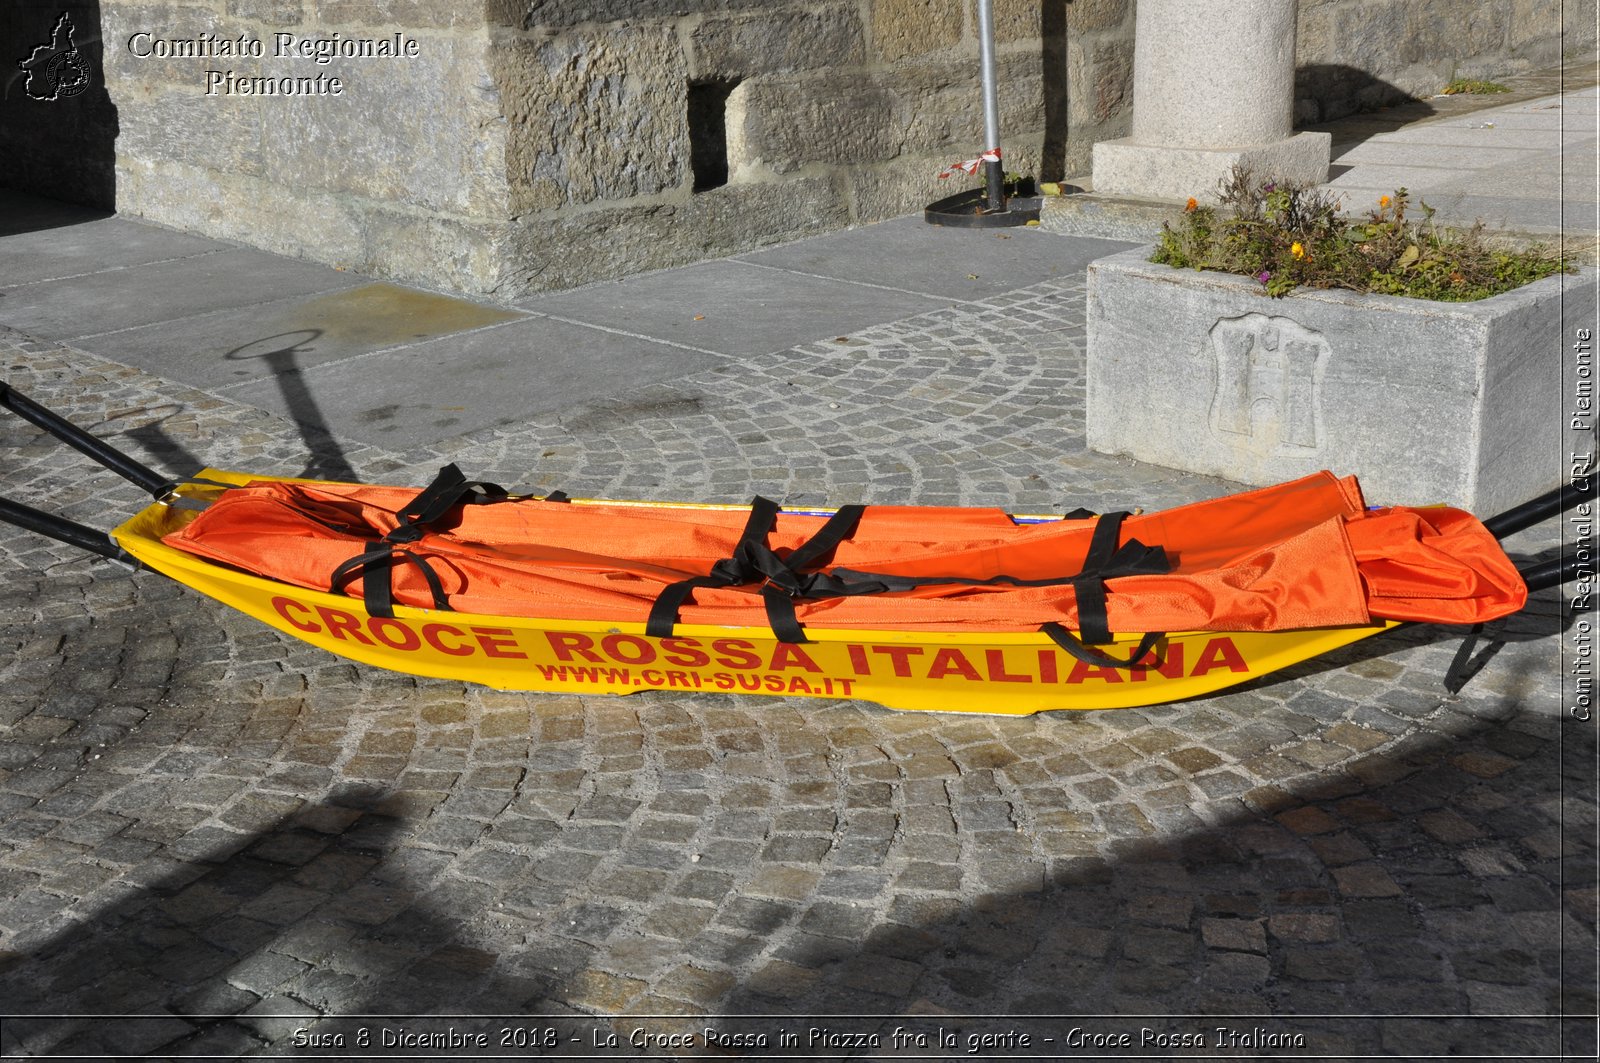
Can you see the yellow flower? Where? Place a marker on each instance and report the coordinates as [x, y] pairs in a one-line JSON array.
[[1297, 250], [1383, 201], [1191, 205]]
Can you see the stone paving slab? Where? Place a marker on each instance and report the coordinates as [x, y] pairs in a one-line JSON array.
[[107, 300], [1543, 185], [910, 255], [238, 836], [22, 213], [239, 344], [80, 242], [1470, 133], [426, 391], [1548, 119], [729, 307], [1401, 151]]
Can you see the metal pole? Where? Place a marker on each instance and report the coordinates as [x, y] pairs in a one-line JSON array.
[[71, 532], [1535, 511], [124, 466], [994, 172]]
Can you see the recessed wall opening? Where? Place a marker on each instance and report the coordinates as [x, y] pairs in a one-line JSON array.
[[708, 132]]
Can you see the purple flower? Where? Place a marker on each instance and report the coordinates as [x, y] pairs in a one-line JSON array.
[[1269, 187], [1263, 276]]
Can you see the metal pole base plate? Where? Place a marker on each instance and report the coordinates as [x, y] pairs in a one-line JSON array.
[[969, 210]]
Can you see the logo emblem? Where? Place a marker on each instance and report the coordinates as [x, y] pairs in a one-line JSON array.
[[58, 70], [1269, 384]]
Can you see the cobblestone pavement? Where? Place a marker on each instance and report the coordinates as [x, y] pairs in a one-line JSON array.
[[236, 837]]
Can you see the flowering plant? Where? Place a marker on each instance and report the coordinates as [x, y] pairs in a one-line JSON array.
[[1288, 235]]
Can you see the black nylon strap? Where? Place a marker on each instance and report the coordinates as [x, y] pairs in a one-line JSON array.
[[448, 489], [1103, 540], [729, 572], [835, 530], [432, 504], [376, 593], [782, 578], [781, 615], [664, 610], [1104, 560], [1091, 591], [1089, 655]]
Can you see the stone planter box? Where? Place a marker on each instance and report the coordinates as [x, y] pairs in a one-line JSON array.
[[1455, 403]]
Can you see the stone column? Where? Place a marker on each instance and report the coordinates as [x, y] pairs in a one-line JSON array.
[[1213, 85]]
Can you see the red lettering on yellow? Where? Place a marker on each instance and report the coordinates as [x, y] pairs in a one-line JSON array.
[[566, 643], [685, 652], [1219, 653], [628, 649], [948, 661], [1082, 670], [858, 659], [1047, 666], [787, 655], [498, 642], [798, 685], [342, 625], [996, 659], [285, 606], [403, 639], [901, 656], [735, 653], [434, 634], [1169, 663]]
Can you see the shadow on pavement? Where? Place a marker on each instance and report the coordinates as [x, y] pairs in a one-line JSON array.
[[1431, 877], [328, 461], [1421, 907], [1325, 92]]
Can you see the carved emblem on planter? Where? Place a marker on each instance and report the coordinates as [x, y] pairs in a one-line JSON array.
[[1268, 397]]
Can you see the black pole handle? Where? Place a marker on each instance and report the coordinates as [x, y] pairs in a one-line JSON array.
[[1536, 510], [62, 529], [1555, 572], [75, 437]]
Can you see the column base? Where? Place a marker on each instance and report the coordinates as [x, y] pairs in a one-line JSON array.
[[1160, 171]]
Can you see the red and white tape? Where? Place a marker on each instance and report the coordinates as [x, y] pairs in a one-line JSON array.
[[971, 165]]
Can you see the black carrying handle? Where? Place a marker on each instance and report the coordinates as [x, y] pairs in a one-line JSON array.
[[60, 528], [1555, 572], [124, 466], [1536, 510], [1559, 570]]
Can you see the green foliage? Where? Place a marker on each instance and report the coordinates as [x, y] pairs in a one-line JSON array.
[[1288, 236], [1460, 86]]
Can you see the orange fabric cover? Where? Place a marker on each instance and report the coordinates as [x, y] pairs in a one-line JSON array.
[[1301, 554]]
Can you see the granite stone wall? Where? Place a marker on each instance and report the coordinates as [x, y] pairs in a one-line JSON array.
[[528, 144], [822, 113], [504, 146], [388, 163], [1356, 55]]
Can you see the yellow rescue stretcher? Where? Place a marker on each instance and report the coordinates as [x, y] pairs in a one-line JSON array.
[[1011, 673]]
